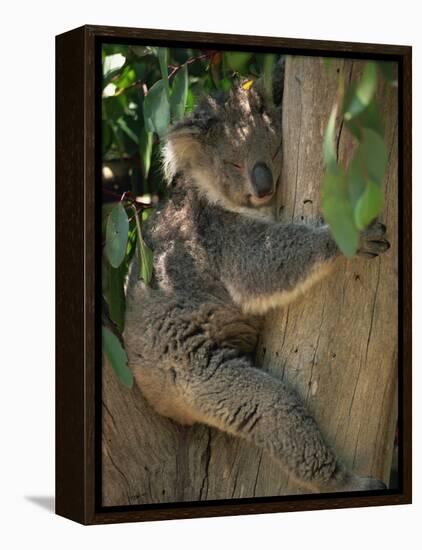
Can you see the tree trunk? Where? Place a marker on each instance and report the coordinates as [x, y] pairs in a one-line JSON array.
[[337, 345]]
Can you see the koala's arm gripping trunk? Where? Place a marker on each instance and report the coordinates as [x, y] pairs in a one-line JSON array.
[[266, 265]]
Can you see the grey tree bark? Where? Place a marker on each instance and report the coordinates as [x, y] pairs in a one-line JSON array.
[[337, 345]]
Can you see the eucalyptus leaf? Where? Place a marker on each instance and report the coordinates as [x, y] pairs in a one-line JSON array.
[[368, 84], [117, 227], [126, 78], [387, 69], [328, 147], [145, 255], [163, 60], [372, 155], [142, 51], [338, 212], [113, 291], [145, 150], [156, 109], [190, 101], [369, 205], [106, 209], [355, 181], [369, 118], [145, 261], [116, 356], [113, 108], [237, 61], [179, 94], [121, 122], [364, 91], [131, 243], [225, 84], [113, 63]]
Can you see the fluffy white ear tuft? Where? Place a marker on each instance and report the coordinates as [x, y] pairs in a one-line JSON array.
[[181, 152]]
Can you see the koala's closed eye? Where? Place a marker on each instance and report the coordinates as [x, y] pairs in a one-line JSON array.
[[235, 164]]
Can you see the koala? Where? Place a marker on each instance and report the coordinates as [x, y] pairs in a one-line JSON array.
[[221, 262]]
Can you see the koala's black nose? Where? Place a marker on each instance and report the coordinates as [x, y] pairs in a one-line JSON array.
[[262, 180]]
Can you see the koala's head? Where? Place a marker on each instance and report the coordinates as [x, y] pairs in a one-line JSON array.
[[230, 147]]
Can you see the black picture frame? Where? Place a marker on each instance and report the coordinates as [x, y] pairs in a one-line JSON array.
[[78, 342]]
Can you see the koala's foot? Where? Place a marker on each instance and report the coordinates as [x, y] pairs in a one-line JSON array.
[[360, 483], [344, 481], [373, 241]]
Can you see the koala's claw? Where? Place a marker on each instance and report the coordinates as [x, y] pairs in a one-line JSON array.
[[373, 241]]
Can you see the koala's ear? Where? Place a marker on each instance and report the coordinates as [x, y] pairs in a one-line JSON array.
[[184, 145]]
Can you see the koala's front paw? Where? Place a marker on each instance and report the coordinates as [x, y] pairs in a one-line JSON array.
[[373, 241]]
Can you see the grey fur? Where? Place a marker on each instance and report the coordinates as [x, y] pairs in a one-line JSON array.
[[220, 262]]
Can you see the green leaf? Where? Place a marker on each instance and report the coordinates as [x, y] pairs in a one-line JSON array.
[[113, 291], [105, 137], [190, 101], [355, 181], [113, 63], [117, 357], [156, 109], [145, 255], [369, 118], [369, 205], [131, 243], [126, 78], [106, 209], [110, 49], [364, 92], [328, 147], [163, 60], [142, 51], [372, 156], [179, 94], [145, 262], [125, 128], [338, 212], [387, 69], [145, 150], [113, 108], [117, 228], [367, 86], [237, 61], [225, 84]]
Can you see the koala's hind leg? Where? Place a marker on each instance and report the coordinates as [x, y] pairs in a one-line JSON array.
[[232, 395]]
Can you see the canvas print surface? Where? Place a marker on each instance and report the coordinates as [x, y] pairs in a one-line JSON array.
[[249, 274]]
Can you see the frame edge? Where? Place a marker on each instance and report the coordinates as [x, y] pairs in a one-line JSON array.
[[70, 326]]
